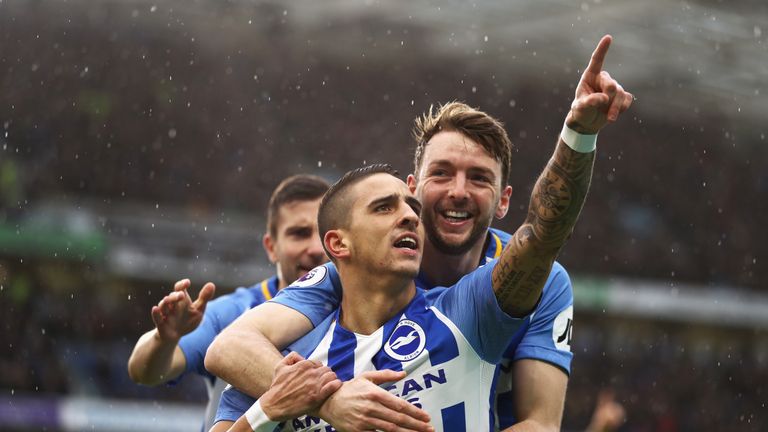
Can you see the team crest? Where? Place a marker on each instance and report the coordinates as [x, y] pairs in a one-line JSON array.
[[314, 277], [406, 342]]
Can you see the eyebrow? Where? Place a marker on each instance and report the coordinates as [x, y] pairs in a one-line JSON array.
[[412, 201], [389, 199], [298, 227], [443, 162]]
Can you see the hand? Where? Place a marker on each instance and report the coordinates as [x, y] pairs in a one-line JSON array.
[[609, 414], [299, 387], [360, 404], [599, 98], [176, 314]]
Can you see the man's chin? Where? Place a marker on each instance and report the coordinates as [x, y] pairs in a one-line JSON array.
[[456, 246], [407, 272]]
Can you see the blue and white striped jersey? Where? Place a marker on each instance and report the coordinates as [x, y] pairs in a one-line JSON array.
[[544, 336], [449, 341]]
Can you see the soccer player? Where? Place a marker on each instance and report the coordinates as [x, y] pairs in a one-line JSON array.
[[447, 340], [184, 329], [461, 168]]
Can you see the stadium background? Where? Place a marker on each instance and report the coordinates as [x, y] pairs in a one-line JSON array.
[[140, 141]]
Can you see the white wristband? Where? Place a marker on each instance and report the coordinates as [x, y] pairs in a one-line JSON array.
[[258, 419], [578, 142]]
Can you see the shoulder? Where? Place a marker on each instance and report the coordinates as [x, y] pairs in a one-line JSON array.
[[240, 300], [559, 282], [503, 236], [323, 277], [496, 242], [556, 297]]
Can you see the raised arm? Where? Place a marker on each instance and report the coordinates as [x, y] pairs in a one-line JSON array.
[[246, 353], [157, 358], [560, 191]]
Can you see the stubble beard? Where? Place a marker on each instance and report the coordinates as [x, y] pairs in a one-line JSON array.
[[479, 231]]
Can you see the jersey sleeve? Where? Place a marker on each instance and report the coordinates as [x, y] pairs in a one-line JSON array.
[[315, 295], [218, 314], [548, 337], [232, 405], [472, 306]]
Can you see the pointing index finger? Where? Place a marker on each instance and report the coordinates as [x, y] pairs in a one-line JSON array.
[[598, 56]]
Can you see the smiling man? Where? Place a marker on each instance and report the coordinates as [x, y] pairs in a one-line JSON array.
[[184, 329], [445, 342], [462, 163]]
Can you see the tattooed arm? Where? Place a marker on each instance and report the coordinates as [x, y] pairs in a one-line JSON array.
[[559, 193]]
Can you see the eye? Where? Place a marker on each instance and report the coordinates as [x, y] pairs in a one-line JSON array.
[[381, 208], [416, 209], [481, 178], [438, 173], [300, 233]]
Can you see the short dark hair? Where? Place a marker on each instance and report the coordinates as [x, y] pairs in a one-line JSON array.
[[301, 187], [334, 207], [470, 122]]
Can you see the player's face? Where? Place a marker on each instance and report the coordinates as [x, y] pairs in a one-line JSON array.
[[459, 184], [297, 248], [385, 234]]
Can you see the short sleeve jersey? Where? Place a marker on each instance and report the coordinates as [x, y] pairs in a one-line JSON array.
[[219, 314], [545, 334], [449, 341]]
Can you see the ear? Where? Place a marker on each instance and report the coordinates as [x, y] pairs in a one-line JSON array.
[[269, 247], [336, 244], [411, 181], [501, 209]]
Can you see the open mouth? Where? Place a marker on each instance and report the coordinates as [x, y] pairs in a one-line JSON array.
[[407, 242], [455, 215]]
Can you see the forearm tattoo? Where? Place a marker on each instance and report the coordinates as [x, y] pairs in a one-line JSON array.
[[556, 202]]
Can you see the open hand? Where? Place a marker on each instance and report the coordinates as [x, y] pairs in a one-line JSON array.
[[176, 314]]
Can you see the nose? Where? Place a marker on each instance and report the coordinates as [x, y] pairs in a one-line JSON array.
[[458, 189], [409, 219]]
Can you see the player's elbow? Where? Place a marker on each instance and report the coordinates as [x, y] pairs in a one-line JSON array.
[[133, 371], [139, 374], [215, 361]]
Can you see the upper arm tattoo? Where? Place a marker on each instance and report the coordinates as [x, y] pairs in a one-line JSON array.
[[556, 202]]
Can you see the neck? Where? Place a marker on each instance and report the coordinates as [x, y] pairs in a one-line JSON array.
[[442, 269], [369, 301]]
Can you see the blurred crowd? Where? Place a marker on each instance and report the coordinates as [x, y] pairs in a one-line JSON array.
[[135, 111], [670, 377], [69, 329]]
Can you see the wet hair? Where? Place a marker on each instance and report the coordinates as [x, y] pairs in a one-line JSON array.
[[302, 187], [470, 122], [335, 206]]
